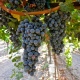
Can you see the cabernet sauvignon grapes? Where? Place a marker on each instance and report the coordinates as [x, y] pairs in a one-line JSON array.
[[14, 3], [32, 33], [56, 22], [35, 5]]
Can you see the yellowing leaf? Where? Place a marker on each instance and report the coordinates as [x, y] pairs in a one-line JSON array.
[[16, 16]]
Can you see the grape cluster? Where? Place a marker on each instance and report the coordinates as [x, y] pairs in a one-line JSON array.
[[14, 38], [14, 3], [39, 5], [56, 22], [32, 33], [3, 17], [28, 8]]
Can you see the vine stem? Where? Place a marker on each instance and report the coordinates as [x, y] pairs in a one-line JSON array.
[[57, 67], [29, 17], [24, 2], [76, 5], [7, 46], [49, 52], [29, 13], [55, 64]]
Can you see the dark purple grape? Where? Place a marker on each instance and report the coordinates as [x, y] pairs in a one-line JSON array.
[[30, 54], [25, 63], [26, 68]]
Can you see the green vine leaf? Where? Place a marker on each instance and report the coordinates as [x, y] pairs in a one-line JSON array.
[[17, 58], [19, 65], [68, 57], [14, 73], [4, 35], [66, 7], [19, 75]]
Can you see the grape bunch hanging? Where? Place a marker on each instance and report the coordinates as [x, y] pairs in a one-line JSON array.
[[32, 33], [14, 38], [36, 5], [14, 3], [4, 17], [56, 22]]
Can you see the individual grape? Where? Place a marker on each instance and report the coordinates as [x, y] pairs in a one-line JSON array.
[[22, 29], [26, 68], [30, 64], [30, 54], [32, 48], [37, 31], [50, 25], [28, 49], [58, 21], [42, 34], [32, 30], [34, 35], [52, 21], [24, 45], [44, 26], [31, 35], [26, 21], [35, 42], [31, 73], [28, 39], [39, 40], [25, 63], [37, 37], [31, 41], [25, 55]]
